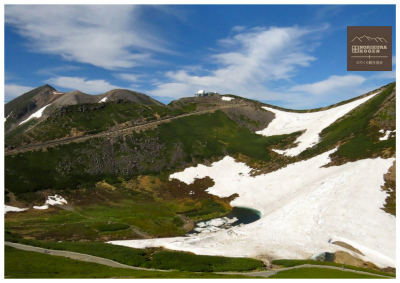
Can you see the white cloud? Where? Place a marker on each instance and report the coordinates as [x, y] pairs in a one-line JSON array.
[[255, 58], [82, 84], [385, 75], [127, 77], [253, 62], [238, 28], [51, 71], [11, 91], [101, 35], [333, 83]]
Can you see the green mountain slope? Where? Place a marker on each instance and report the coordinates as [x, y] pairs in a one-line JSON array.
[[119, 181], [357, 133]]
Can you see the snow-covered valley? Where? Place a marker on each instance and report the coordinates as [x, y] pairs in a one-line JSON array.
[[305, 206]]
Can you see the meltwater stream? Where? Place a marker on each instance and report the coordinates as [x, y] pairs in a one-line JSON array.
[[238, 216]]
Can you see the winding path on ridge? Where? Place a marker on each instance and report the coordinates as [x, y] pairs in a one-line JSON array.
[[112, 132], [111, 263]]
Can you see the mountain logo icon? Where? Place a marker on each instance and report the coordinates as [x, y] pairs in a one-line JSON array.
[[367, 38]]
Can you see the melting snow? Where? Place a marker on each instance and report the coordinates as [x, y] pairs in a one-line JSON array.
[[226, 98], [103, 100], [5, 119], [304, 206], [8, 208], [387, 134], [56, 199], [214, 225], [41, 207], [52, 200], [37, 114], [313, 123]]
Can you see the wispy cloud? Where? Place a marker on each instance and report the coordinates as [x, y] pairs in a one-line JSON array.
[[101, 35], [333, 83], [253, 58], [128, 77], [82, 84], [238, 28], [326, 92], [51, 71], [11, 91], [385, 75]]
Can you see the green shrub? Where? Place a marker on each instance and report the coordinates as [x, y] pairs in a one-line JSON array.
[[112, 227], [199, 263], [149, 258]]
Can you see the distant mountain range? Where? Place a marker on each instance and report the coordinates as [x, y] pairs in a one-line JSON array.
[[20, 108]]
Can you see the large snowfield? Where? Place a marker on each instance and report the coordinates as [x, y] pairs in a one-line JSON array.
[[305, 207]]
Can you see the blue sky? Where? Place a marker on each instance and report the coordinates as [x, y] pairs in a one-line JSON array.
[[292, 56]]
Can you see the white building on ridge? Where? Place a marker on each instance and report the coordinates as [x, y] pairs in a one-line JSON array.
[[201, 93]]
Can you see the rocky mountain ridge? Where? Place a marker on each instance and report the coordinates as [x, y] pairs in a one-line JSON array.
[[22, 107]]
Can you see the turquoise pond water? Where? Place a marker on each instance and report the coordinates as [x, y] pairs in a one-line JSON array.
[[238, 216], [244, 215]]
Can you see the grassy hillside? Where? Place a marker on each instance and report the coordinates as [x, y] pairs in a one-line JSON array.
[[357, 133], [90, 118], [151, 258], [24, 264], [299, 262], [319, 273], [171, 146], [117, 187]]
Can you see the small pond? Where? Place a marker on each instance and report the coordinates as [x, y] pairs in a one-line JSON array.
[[238, 216]]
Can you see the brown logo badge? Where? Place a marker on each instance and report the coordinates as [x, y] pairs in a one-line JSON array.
[[369, 48]]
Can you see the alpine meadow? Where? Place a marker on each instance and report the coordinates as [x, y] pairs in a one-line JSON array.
[[122, 176], [199, 141]]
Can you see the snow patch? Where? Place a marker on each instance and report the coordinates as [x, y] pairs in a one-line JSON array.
[[57, 92], [103, 100], [41, 207], [312, 123], [279, 151], [52, 200], [303, 206], [5, 119], [213, 225], [56, 199], [8, 208], [387, 134], [37, 114], [226, 98]]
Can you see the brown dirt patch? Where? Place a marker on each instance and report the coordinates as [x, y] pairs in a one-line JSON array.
[[346, 258], [390, 188], [347, 246]]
